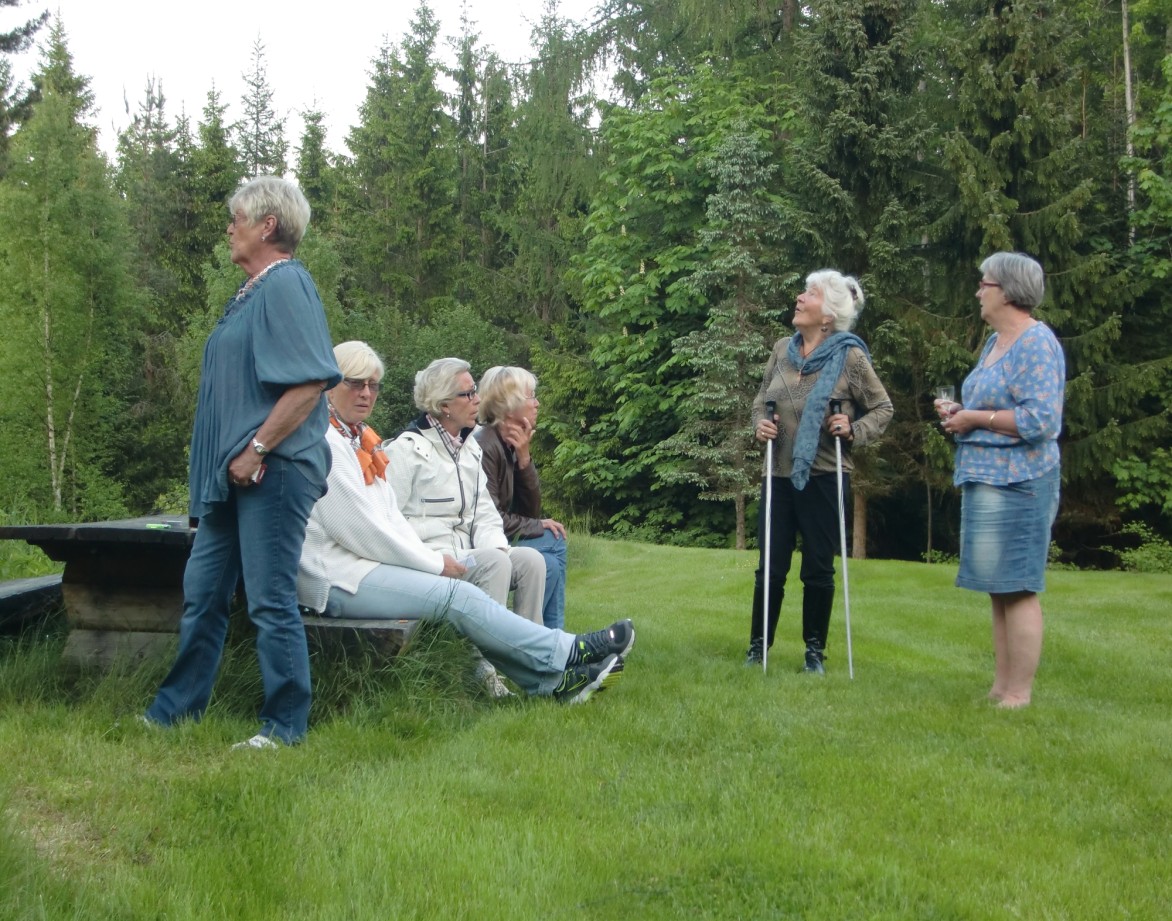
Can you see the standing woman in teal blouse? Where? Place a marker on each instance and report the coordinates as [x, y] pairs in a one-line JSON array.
[[1007, 466], [258, 463]]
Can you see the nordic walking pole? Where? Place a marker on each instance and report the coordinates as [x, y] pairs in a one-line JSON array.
[[770, 411], [835, 409]]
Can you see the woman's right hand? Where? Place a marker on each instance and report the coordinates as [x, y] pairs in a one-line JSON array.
[[453, 568], [517, 433], [946, 408], [767, 429]]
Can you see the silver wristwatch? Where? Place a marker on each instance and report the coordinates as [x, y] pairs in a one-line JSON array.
[[259, 448]]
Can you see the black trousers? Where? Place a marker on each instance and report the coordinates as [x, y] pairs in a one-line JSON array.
[[812, 513]]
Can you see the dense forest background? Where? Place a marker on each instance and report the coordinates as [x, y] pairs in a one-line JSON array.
[[639, 248]]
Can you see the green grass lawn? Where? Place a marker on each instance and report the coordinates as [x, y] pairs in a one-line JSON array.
[[695, 789]]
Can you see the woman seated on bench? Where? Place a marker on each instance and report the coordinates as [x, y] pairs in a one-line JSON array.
[[362, 559]]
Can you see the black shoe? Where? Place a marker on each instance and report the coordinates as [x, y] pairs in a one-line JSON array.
[[615, 640], [755, 655], [814, 657], [581, 681]]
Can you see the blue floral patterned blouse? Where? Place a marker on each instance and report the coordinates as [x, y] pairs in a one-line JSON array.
[[1030, 379]]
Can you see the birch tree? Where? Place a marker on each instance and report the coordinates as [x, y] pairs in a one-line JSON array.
[[67, 308]]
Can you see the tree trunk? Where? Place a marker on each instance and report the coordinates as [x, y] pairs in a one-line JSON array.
[[1129, 106], [739, 503], [859, 528], [928, 553]]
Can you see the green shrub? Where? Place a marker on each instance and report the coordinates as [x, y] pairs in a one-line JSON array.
[[1154, 554]]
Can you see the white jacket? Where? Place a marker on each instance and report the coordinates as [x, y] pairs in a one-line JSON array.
[[449, 508], [352, 529]]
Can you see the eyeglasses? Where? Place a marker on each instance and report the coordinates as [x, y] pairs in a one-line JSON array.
[[466, 394], [988, 284], [359, 385]]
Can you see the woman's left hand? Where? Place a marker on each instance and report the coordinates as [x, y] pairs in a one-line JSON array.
[[839, 425], [963, 421], [556, 527]]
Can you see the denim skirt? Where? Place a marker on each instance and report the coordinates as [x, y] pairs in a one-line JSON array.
[[1005, 534]]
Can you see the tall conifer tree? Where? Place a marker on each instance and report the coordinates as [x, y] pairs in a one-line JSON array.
[[1031, 175], [263, 145], [404, 175], [66, 305]]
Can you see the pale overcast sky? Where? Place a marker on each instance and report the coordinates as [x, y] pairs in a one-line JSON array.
[[318, 53]]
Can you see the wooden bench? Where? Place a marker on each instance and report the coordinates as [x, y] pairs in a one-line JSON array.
[[25, 600], [122, 590]]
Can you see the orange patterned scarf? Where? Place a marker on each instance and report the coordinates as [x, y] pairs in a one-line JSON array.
[[368, 447]]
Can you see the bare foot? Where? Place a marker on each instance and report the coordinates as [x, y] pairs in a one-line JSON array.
[[995, 694], [1013, 702]]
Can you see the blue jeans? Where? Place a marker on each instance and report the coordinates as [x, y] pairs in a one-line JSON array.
[[256, 534], [533, 656], [553, 550]]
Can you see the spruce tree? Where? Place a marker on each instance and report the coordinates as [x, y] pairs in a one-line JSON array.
[[261, 133], [554, 147], [154, 178], [15, 100], [621, 393], [1031, 174], [404, 178], [742, 235], [217, 169], [317, 176]]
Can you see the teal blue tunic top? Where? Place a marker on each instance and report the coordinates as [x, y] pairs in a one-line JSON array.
[[271, 337]]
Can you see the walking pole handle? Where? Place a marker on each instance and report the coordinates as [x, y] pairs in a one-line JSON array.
[[835, 409], [770, 409]]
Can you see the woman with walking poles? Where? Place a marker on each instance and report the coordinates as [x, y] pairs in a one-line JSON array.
[[807, 441], [1007, 466]]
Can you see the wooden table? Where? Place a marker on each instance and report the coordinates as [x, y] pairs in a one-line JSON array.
[[123, 590], [123, 583]]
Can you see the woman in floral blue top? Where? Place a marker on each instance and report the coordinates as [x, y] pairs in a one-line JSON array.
[[1007, 466]]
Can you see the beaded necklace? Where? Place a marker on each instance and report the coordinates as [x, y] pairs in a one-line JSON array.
[[244, 289]]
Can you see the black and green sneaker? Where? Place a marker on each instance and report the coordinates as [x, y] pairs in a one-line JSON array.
[[615, 640], [579, 682]]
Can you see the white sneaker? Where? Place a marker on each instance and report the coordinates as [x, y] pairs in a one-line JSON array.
[[257, 741]]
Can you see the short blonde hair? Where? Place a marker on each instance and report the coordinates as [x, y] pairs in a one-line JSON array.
[[842, 297], [273, 195], [503, 391], [358, 361], [436, 384]]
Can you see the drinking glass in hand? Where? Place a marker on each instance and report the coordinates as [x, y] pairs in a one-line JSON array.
[[946, 403]]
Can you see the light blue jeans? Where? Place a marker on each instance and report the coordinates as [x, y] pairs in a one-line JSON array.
[[553, 551], [256, 534], [528, 653]]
